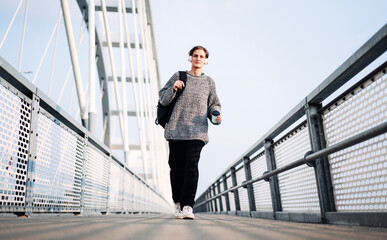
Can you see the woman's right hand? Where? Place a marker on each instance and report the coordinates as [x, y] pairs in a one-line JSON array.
[[178, 85]]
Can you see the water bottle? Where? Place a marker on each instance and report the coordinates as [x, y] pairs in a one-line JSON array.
[[214, 116]]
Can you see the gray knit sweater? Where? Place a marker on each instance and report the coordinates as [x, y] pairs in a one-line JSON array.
[[189, 117]]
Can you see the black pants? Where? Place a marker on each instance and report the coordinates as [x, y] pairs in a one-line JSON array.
[[183, 160]]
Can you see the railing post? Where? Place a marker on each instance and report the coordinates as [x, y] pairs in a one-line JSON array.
[[274, 186], [212, 201], [205, 205], [321, 165], [108, 186], [236, 192], [226, 195], [32, 156], [214, 194], [84, 166], [220, 197], [250, 189], [123, 189], [209, 203]]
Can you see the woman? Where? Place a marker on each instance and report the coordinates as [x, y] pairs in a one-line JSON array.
[[187, 129]]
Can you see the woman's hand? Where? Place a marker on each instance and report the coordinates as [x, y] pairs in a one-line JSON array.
[[219, 119], [178, 85]]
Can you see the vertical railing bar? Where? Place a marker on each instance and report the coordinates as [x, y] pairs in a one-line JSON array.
[[227, 197], [215, 200], [220, 197], [321, 165], [85, 162], [236, 192], [274, 185], [123, 189], [250, 189], [30, 183], [108, 186], [210, 203]]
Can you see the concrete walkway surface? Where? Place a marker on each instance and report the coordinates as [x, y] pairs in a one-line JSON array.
[[164, 226]]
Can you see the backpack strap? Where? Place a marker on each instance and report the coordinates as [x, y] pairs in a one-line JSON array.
[[183, 78]]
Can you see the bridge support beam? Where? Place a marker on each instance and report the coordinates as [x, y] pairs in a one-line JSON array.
[[274, 186], [75, 62], [321, 165]]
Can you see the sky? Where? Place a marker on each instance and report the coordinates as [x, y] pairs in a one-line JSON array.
[[265, 57]]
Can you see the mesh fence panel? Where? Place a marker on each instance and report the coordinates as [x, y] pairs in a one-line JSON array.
[[297, 186], [243, 197], [58, 172], [223, 198], [96, 179], [115, 187], [262, 193], [14, 136], [128, 192], [231, 195], [359, 174]]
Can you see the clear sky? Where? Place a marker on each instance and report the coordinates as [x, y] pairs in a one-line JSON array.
[[265, 57]]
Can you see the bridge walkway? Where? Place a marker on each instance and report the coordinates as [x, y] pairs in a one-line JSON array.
[[164, 226]]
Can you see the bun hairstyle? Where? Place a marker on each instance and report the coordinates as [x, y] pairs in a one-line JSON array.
[[190, 53]]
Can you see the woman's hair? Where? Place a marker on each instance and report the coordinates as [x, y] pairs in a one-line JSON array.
[[199, 48]]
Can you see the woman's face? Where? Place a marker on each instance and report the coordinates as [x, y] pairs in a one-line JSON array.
[[198, 58]]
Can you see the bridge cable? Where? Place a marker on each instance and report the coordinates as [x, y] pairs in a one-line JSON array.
[[24, 29], [10, 25]]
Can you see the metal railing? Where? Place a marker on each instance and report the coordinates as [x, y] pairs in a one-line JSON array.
[[51, 164], [330, 168]]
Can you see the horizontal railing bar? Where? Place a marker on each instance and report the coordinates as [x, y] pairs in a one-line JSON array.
[[358, 138]]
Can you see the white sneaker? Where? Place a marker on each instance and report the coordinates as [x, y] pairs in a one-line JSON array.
[[188, 212], [178, 213]]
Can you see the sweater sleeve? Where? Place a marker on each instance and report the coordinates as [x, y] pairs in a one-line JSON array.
[[166, 94], [213, 100]]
